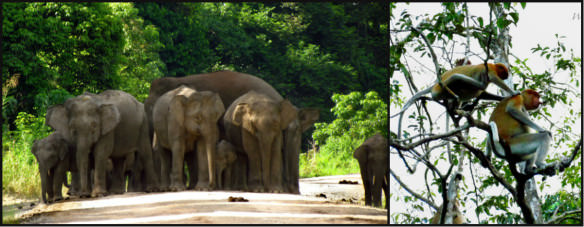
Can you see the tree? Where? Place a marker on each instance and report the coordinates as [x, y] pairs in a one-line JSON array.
[[73, 47], [441, 38], [142, 63], [186, 49]]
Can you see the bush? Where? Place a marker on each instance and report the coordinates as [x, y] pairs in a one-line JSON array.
[[358, 117], [19, 167]]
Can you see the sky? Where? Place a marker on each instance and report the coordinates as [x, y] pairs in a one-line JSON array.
[[538, 24]]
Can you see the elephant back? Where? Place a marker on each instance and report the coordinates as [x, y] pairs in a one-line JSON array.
[[228, 84]]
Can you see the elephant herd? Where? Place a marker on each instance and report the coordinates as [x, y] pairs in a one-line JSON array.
[[232, 130]]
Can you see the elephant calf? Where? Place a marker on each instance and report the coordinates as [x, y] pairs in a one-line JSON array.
[[225, 158], [54, 157], [373, 157], [185, 120]]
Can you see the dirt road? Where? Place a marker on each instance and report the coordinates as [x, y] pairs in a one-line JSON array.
[[322, 201]]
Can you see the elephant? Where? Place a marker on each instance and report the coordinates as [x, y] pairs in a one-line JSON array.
[[113, 125], [224, 160], [373, 158], [255, 122], [185, 120], [230, 86], [292, 136], [54, 157]]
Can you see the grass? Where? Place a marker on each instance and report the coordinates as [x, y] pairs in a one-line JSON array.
[[335, 158], [20, 173]]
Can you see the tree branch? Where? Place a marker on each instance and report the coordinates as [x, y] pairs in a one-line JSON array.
[[401, 183], [564, 216]]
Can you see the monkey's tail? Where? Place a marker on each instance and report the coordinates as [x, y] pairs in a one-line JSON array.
[[407, 105]]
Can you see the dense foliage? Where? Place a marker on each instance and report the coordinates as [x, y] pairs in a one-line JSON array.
[[358, 117], [307, 51]]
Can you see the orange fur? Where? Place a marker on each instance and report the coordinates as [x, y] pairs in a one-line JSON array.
[[496, 72], [507, 125]]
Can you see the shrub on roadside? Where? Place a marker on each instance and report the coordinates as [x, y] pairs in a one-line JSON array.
[[20, 173], [358, 117]]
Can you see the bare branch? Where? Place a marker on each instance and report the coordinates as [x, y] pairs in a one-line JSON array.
[[566, 215], [401, 183]]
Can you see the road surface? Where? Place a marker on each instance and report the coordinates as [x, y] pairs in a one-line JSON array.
[[322, 200]]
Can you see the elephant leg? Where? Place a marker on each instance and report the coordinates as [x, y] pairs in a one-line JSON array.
[[203, 167], [254, 179], [117, 185], [366, 181], [177, 166], [291, 148], [101, 154], [59, 178], [386, 189], [191, 160], [165, 166], [220, 172], [275, 170], [376, 184], [75, 185], [146, 158], [226, 179], [293, 172], [156, 161]]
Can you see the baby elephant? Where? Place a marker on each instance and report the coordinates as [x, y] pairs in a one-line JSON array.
[[54, 157], [224, 160], [373, 157]]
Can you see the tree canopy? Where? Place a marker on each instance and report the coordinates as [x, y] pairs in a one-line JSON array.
[[442, 146], [307, 51]]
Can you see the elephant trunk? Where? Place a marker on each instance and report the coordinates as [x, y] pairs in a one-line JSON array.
[[82, 156], [211, 148], [265, 143]]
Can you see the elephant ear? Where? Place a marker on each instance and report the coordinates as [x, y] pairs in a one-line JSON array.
[[57, 119], [110, 118], [361, 153], [287, 113], [218, 106], [176, 109], [35, 147], [307, 117], [240, 110], [62, 146]]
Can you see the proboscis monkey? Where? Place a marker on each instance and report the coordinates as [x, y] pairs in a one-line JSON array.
[[464, 83], [457, 219], [510, 123]]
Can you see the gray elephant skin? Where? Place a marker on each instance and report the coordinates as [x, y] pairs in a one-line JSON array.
[[373, 158], [113, 125], [53, 156], [255, 122], [230, 86], [185, 120], [224, 161]]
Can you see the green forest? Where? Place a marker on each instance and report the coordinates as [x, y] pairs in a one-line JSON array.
[[332, 56]]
